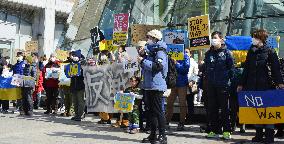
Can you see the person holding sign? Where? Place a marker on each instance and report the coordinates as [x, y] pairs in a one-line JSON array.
[[50, 84], [256, 76], [154, 71], [77, 88], [180, 90], [219, 65]]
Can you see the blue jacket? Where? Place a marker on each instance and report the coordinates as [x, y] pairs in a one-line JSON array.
[[18, 68], [155, 67], [219, 65], [182, 67]]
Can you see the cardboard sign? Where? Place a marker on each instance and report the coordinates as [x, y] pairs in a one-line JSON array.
[[176, 51], [199, 32], [175, 37], [261, 107], [124, 102], [72, 70], [139, 32], [17, 80], [130, 66], [52, 73], [30, 47], [61, 54], [121, 22]]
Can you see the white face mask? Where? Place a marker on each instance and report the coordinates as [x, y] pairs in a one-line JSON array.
[[215, 42], [8, 61], [75, 59], [52, 59], [150, 42], [20, 58]]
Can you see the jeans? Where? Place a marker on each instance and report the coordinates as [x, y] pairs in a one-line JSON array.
[[156, 114], [79, 103], [218, 97], [190, 105]]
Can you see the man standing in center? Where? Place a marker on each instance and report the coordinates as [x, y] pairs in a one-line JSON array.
[[154, 71]]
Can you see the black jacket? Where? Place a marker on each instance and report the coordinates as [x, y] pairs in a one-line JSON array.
[[257, 68]]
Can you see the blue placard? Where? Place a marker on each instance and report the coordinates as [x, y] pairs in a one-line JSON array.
[[176, 51], [261, 99], [72, 70], [176, 37]]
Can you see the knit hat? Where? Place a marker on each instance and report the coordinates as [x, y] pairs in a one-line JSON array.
[[156, 34], [77, 53]]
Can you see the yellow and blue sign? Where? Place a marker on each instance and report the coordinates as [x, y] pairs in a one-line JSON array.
[[72, 70], [8, 91], [124, 102], [176, 51], [261, 107]]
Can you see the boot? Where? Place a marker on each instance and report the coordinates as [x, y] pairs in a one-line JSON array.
[[150, 139], [162, 139], [258, 135], [124, 124], [269, 136]]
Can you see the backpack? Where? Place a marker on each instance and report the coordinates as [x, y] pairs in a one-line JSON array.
[[172, 74]]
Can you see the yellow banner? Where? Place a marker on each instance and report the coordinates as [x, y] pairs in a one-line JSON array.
[[10, 94], [271, 115], [119, 38]]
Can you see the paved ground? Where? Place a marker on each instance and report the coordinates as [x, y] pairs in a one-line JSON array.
[[42, 129]]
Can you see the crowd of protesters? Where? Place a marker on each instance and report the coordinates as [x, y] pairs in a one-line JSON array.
[[160, 81]]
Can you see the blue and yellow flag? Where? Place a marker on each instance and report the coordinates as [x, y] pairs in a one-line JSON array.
[[8, 91], [261, 107]]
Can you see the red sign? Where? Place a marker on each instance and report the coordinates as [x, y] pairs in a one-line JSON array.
[[121, 22]]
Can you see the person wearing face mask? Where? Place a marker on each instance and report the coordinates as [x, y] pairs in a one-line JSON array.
[[39, 79], [51, 86], [5, 72], [18, 68], [218, 69], [154, 72], [77, 88], [260, 62]]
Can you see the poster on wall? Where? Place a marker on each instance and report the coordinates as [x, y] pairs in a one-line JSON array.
[[199, 32]]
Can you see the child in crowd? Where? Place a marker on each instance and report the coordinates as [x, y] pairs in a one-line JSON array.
[[133, 117]]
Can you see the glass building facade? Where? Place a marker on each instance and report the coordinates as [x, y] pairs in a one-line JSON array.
[[231, 17]]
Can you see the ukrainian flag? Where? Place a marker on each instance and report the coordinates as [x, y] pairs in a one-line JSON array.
[[239, 45], [261, 107], [8, 91]]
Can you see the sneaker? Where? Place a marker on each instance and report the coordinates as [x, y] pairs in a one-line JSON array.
[[150, 139], [180, 127], [162, 139], [226, 135], [73, 118], [134, 131], [5, 111], [212, 135]]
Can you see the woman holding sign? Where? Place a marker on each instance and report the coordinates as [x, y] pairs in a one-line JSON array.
[[256, 77]]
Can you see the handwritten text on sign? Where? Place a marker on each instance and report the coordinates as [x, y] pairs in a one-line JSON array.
[[124, 102], [199, 32], [261, 107], [72, 70], [176, 51], [121, 22], [130, 66]]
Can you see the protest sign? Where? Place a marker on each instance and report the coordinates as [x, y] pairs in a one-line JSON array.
[[101, 85], [176, 51], [52, 73], [124, 102], [199, 31], [72, 70], [120, 29], [175, 37], [17, 80], [139, 32], [9, 91], [261, 107], [61, 54], [108, 33], [130, 66], [107, 45], [29, 81], [132, 52], [63, 80], [30, 47]]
